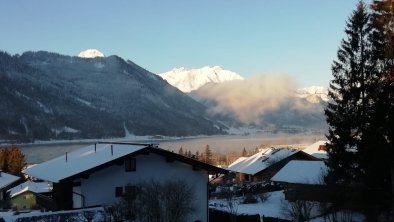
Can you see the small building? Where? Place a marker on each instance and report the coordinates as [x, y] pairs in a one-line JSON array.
[[265, 164], [302, 172], [303, 180], [99, 174], [6, 182], [28, 194]]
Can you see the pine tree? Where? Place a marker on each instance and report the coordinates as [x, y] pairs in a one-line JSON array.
[[380, 158], [244, 153], [208, 155], [180, 151], [189, 154], [347, 113], [361, 116], [197, 156]]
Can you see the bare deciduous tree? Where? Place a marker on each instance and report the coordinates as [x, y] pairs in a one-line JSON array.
[[299, 210], [169, 201]]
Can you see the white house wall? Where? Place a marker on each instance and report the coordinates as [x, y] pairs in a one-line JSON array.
[[99, 188]]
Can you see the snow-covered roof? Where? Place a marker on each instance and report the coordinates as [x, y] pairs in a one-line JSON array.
[[80, 160], [301, 171], [261, 160], [36, 187], [91, 158], [237, 161], [7, 179], [314, 149]]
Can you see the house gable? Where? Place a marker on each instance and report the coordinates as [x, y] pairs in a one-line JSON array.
[[81, 163], [97, 175], [270, 171]]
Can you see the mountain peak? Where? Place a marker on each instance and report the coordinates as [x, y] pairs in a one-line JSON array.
[[91, 53], [188, 80], [313, 93]]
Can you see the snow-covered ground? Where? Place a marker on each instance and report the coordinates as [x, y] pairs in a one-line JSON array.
[[96, 214], [271, 207], [276, 206]]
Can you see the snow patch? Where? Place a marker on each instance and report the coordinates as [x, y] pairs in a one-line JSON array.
[[126, 131], [84, 102], [45, 108], [22, 95], [65, 129], [91, 53], [99, 65]]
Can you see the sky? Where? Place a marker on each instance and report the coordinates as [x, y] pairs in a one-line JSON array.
[[298, 38]]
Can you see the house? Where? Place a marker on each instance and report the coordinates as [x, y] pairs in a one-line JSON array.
[[301, 172], [28, 194], [303, 180], [317, 149], [6, 182], [266, 163], [99, 174]]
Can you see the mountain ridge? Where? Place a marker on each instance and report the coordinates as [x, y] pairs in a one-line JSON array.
[[188, 80], [53, 96]]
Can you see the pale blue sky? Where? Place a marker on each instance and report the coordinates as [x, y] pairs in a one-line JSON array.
[[296, 37]]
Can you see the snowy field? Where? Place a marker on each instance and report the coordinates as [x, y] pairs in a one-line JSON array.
[[276, 206], [271, 207]]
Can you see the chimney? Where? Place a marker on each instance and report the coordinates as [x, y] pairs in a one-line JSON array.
[[112, 150], [95, 147], [322, 147], [66, 156]]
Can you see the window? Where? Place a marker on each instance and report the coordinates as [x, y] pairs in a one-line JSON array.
[[130, 164], [130, 192], [118, 191]]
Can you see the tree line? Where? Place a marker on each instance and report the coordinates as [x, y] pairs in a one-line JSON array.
[[208, 156], [361, 112]]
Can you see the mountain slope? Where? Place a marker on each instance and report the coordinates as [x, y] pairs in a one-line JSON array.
[[188, 80], [51, 96]]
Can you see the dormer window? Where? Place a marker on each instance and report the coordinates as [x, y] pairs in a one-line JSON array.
[[130, 164]]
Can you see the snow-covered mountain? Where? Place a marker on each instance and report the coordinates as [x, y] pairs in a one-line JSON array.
[[188, 80], [91, 53], [51, 96], [313, 94]]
